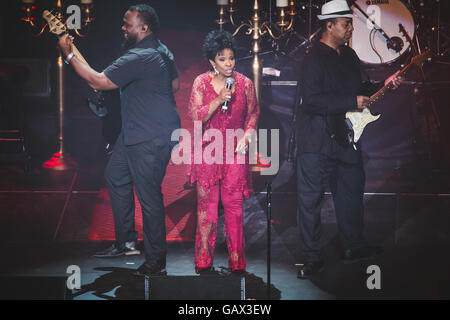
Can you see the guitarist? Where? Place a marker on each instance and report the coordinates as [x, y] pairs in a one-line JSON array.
[[331, 81], [146, 75]]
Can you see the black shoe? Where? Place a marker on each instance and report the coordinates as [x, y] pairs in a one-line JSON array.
[[310, 269], [206, 271], [362, 253], [115, 251], [151, 269]]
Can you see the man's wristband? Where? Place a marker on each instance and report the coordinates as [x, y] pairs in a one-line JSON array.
[[69, 57]]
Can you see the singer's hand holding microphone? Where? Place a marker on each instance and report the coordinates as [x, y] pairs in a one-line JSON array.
[[225, 94]]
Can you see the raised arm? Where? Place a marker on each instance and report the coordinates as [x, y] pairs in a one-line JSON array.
[[96, 80]]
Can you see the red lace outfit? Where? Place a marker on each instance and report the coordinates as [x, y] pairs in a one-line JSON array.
[[232, 182]]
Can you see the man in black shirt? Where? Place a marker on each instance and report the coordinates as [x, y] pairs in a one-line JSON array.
[[146, 75], [331, 85]]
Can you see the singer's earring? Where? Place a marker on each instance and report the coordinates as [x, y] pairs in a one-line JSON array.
[[216, 71]]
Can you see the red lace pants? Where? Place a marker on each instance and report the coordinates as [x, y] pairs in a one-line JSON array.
[[207, 216]]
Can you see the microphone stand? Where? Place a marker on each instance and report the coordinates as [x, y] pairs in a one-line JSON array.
[[269, 222], [309, 18], [292, 139]]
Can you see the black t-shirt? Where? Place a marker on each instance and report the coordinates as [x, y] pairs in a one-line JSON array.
[[144, 75]]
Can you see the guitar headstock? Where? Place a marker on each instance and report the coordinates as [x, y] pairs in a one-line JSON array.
[[55, 25], [420, 59]]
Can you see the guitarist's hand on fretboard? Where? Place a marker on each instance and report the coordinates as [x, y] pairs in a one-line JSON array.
[[356, 121], [363, 102], [395, 80], [65, 43]]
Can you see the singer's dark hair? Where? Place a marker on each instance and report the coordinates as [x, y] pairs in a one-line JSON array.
[[148, 16], [216, 41]]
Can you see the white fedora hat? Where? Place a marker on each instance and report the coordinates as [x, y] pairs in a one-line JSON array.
[[335, 9]]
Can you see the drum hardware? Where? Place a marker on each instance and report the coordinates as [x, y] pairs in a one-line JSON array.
[[376, 38], [431, 28], [424, 89], [442, 35], [438, 47], [292, 147], [307, 44], [408, 38], [310, 6], [394, 43]]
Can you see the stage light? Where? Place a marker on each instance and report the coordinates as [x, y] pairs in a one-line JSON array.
[[258, 26], [28, 8], [87, 7]]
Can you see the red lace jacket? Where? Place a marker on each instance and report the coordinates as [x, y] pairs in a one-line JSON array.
[[243, 112]]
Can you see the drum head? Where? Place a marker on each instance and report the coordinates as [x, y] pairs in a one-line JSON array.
[[371, 45]]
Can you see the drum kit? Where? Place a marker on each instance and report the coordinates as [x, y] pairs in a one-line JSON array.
[[377, 38], [382, 27]]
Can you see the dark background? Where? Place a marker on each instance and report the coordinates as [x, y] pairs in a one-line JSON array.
[[183, 25], [46, 216]]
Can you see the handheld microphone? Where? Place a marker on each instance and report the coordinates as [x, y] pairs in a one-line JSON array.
[[230, 82]]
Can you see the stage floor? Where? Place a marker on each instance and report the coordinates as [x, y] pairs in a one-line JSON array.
[[46, 218]]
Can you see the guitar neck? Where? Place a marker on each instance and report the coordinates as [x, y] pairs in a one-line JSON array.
[[77, 54], [388, 87], [57, 27]]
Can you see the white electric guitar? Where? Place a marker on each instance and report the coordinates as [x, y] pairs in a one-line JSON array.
[[356, 121]]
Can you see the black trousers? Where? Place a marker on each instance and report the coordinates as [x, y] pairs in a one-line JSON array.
[[112, 123], [346, 182], [143, 166]]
